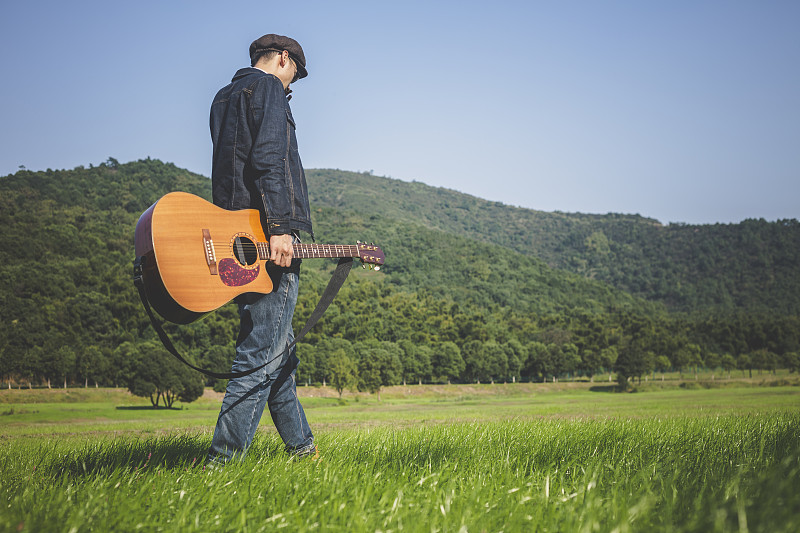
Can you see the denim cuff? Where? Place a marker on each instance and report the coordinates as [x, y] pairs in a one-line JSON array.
[[303, 451], [278, 227]]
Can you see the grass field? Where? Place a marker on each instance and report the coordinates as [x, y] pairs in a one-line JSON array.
[[523, 457]]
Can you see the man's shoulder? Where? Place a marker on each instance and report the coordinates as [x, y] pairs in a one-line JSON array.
[[251, 76], [249, 79]]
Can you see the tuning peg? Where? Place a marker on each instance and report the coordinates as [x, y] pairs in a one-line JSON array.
[[377, 267], [364, 266]]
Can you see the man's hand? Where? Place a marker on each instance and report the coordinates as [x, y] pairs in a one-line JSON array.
[[280, 250]]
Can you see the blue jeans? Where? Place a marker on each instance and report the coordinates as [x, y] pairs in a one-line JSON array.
[[265, 331]]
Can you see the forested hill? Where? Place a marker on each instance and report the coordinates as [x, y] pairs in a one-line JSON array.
[[446, 306], [83, 221], [753, 265]]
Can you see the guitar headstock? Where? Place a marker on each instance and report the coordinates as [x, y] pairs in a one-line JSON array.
[[370, 255]]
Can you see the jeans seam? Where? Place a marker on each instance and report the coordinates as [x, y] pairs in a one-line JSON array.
[[277, 329], [296, 403], [266, 373], [250, 431]]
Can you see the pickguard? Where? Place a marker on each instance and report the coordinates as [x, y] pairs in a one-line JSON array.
[[233, 274]]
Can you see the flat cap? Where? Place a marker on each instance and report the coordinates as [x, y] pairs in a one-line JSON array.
[[281, 43]]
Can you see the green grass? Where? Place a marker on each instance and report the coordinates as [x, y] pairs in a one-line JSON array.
[[519, 458], [109, 412]]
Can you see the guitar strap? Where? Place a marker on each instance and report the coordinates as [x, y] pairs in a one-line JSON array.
[[339, 275]]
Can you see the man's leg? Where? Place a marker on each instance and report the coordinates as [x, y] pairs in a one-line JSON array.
[[265, 331], [287, 413]]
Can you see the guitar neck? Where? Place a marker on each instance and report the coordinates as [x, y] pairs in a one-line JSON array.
[[305, 251]]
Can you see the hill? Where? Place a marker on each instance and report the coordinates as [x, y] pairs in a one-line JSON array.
[[446, 306], [749, 266]]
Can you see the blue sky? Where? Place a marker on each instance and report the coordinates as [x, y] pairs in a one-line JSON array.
[[680, 111]]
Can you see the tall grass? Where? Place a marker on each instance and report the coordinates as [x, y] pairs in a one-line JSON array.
[[727, 473]]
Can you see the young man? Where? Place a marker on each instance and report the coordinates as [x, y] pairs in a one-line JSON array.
[[256, 165]]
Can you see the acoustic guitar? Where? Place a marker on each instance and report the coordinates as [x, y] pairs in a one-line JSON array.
[[195, 257]]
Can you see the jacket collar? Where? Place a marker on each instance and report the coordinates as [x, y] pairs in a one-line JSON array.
[[247, 71]]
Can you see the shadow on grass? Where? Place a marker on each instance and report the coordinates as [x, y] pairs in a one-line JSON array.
[[132, 456], [147, 408], [604, 388]]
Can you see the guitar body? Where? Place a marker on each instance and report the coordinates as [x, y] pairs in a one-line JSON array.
[[174, 236], [196, 257]]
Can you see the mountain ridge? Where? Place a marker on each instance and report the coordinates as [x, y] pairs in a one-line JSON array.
[[751, 265], [69, 312], [675, 264]]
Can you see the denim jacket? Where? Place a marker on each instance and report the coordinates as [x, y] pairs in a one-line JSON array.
[[256, 164]]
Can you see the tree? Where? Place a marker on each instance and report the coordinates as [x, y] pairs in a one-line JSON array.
[[423, 364], [648, 363], [219, 358], [159, 376], [416, 361], [446, 362], [590, 363], [124, 359], [764, 359], [538, 362], [743, 363], [695, 358], [662, 364], [496, 364], [342, 371], [324, 348], [608, 357], [308, 363], [688, 355], [378, 365], [631, 364], [516, 354], [88, 363], [64, 361], [391, 363], [189, 388], [475, 360], [728, 363], [369, 376], [568, 358], [712, 361], [58, 359], [30, 364], [792, 361]]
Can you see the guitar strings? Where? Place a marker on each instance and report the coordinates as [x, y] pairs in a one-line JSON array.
[[247, 248], [304, 247]]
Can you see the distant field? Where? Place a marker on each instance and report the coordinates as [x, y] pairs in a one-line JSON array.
[[106, 412], [521, 457]]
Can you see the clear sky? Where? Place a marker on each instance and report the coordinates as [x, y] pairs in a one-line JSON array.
[[684, 111]]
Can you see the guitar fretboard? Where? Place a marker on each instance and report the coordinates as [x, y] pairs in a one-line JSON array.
[[305, 251]]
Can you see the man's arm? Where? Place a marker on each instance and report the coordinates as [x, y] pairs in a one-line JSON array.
[[268, 155]]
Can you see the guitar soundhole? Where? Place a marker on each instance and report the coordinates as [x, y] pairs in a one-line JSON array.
[[244, 250]]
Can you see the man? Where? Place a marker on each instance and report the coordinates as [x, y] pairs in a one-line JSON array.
[[256, 165]]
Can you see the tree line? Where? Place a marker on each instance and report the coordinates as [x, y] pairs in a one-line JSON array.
[[386, 337]]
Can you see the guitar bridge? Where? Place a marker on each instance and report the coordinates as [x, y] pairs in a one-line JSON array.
[[211, 257]]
